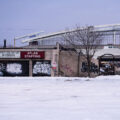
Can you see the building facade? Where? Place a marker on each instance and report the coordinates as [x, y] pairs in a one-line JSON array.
[[44, 56], [28, 61]]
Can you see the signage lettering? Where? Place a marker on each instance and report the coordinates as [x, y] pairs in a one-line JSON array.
[[10, 54], [33, 54]]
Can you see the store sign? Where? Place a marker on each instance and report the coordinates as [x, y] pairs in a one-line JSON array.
[[54, 65], [33, 54], [10, 54]]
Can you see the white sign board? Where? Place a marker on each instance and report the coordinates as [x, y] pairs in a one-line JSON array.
[[9, 54]]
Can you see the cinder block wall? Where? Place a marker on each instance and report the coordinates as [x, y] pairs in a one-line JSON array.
[[69, 64]]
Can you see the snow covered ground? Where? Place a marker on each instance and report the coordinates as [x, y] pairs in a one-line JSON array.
[[60, 98]]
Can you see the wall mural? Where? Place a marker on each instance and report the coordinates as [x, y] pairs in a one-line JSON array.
[[93, 68], [67, 68], [41, 68], [106, 67], [117, 67], [109, 67], [14, 68]]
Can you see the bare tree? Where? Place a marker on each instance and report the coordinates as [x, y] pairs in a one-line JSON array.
[[84, 41]]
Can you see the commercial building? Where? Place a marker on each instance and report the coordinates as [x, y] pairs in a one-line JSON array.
[[44, 56], [28, 61]]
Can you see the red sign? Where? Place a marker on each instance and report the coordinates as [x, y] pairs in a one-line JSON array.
[[33, 54]]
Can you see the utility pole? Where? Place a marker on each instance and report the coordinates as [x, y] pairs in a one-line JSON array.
[[14, 42], [78, 67]]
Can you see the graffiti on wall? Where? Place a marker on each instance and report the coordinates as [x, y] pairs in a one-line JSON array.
[[117, 64], [67, 68], [2, 69], [93, 68], [14, 68], [41, 68], [117, 67], [109, 67]]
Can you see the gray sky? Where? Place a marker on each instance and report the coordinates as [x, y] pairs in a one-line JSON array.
[[20, 17]]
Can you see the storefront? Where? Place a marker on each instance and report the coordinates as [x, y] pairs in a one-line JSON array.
[[22, 62]]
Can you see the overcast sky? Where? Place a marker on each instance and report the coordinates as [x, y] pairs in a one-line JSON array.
[[19, 17]]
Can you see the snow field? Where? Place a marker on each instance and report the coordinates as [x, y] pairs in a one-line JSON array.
[[48, 98]]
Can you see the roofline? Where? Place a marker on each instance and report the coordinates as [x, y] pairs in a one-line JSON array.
[[105, 28]]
